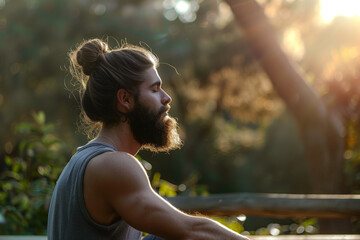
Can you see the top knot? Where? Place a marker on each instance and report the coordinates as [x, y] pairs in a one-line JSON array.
[[87, 54]]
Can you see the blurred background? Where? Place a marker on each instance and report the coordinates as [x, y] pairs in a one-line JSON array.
[[238, 134]]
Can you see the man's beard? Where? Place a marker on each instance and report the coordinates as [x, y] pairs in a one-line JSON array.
[[154, 131]]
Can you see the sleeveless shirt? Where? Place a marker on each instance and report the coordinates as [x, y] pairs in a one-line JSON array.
[[68, 217]]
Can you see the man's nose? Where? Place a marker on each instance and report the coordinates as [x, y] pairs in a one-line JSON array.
[[166, 99]]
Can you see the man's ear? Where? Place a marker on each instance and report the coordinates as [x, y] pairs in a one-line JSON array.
[[125, 100]]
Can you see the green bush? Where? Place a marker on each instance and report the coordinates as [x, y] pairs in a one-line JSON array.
[[29, 178]]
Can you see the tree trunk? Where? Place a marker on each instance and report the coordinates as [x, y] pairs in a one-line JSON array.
[[321, 129]]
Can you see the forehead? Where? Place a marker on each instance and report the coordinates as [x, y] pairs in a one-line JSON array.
[[151, 77]]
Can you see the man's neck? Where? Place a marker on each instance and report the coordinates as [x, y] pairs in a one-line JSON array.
[[121, 137]]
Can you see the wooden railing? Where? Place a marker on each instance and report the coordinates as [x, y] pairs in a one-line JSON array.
[[276, 205]]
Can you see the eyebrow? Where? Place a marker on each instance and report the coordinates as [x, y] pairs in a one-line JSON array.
[[156, 83]]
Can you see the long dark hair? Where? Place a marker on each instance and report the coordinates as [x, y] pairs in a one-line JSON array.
[[101, 73]]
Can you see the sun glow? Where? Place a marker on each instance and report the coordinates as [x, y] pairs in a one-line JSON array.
[[332, 8]]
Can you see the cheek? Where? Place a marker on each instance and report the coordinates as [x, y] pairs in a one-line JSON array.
[[149, 96], [152, 100]]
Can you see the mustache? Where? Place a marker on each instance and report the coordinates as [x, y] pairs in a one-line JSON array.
[[164, 109]]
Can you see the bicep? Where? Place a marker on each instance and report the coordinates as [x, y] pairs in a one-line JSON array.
[[133, 199]]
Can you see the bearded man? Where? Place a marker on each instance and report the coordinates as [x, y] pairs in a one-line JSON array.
[[104, 191]]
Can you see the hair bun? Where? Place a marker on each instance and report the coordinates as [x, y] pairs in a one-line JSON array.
[[88, 53]]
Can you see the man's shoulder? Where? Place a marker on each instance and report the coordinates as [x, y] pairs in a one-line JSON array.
[[116, 173], [114, 165]]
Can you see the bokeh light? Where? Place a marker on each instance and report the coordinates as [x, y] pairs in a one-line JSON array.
[[241, 218], [183, 10]]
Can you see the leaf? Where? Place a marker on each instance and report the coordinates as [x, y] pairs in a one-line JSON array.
[[11, 174], [167, 189], [22, 145], [310, 221], [24, 128], [22, 201], [39, 117], [7, 186], [156, 180], [8, 160], [16, 167], [3, 196]]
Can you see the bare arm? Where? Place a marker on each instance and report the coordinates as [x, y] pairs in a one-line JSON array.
[[126, 188]]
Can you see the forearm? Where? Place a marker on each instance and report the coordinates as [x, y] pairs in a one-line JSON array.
[[151, 213]]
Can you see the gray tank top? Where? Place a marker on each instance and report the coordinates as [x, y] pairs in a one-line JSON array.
[[68, 217]]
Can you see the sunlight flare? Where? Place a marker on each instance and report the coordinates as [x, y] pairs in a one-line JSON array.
[[333, 8]]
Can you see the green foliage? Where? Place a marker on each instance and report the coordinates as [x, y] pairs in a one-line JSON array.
[[27, 182], [231, 222], [164, 188]]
